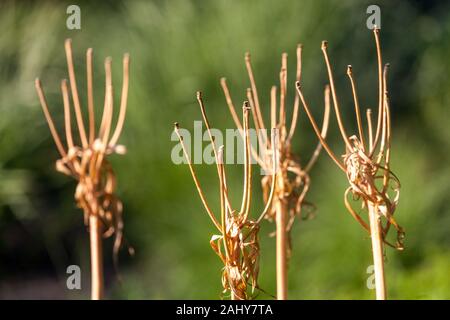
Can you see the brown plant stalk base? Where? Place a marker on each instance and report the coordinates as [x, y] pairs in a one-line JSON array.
[[377, 251], [281, 250], [95, 233]]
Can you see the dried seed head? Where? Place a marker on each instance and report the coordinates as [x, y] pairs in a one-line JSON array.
[[236, 243], [95, 191], [293, 179], [369, 175]]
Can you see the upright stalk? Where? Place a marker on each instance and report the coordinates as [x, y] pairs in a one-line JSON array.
[[87, 163], [96, 258], [377, 251], [284, 198], [281, 250], [369, 174]]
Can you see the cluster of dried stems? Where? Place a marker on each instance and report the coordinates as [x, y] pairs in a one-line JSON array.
[[366, 165], [237, 243], [285, 184], [87, 161], [293, 179]]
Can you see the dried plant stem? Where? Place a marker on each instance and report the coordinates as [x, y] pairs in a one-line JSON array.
[[377, 251], [95, 233], [281, 250], [87, 164]]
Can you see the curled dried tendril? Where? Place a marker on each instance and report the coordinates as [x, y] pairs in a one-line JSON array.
[[370, 184], [293, 179], [87, 163], [236, 242], [368, 173], [241, 264]]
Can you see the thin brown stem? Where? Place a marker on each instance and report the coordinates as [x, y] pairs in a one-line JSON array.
[[223, 210], [384, 132], [76, 99], [281, 249], [208, 128], [317, 130], [245, 205], [274, 175], [377, 251], [283, 91], [357, 111], [197, 183], [323, 133], [90, 95], [95, 235], [123, 100], [226, 91], [369, 127], [236, 120], [297, 99], [248, 64], [67, 121], [48, 117], [376, 32], [262, 137], [334, 95], [107, 108], [273, 107]]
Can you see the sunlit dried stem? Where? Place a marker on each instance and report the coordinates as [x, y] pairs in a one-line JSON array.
[[123, 100], [194, 177], [297, 100], [254, 90], [283, 91], [237, 242], [76, 100], [90, 95], [357, 111], [87, 163], [370, 178], [236, 120], [377, 250], [316, 128], [273, 107], [284, 197], [369, 127], [376, 32]]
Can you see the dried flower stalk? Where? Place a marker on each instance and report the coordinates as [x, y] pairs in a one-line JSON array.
[[237, 242], [371, 180], [293, 179], [87, 162]]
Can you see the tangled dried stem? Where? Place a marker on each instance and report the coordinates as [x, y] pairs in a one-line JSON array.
[[293, 179], [237, 242], [371, 180], [87, 163]]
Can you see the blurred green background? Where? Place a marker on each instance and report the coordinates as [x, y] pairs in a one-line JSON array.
[[178, 47]]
